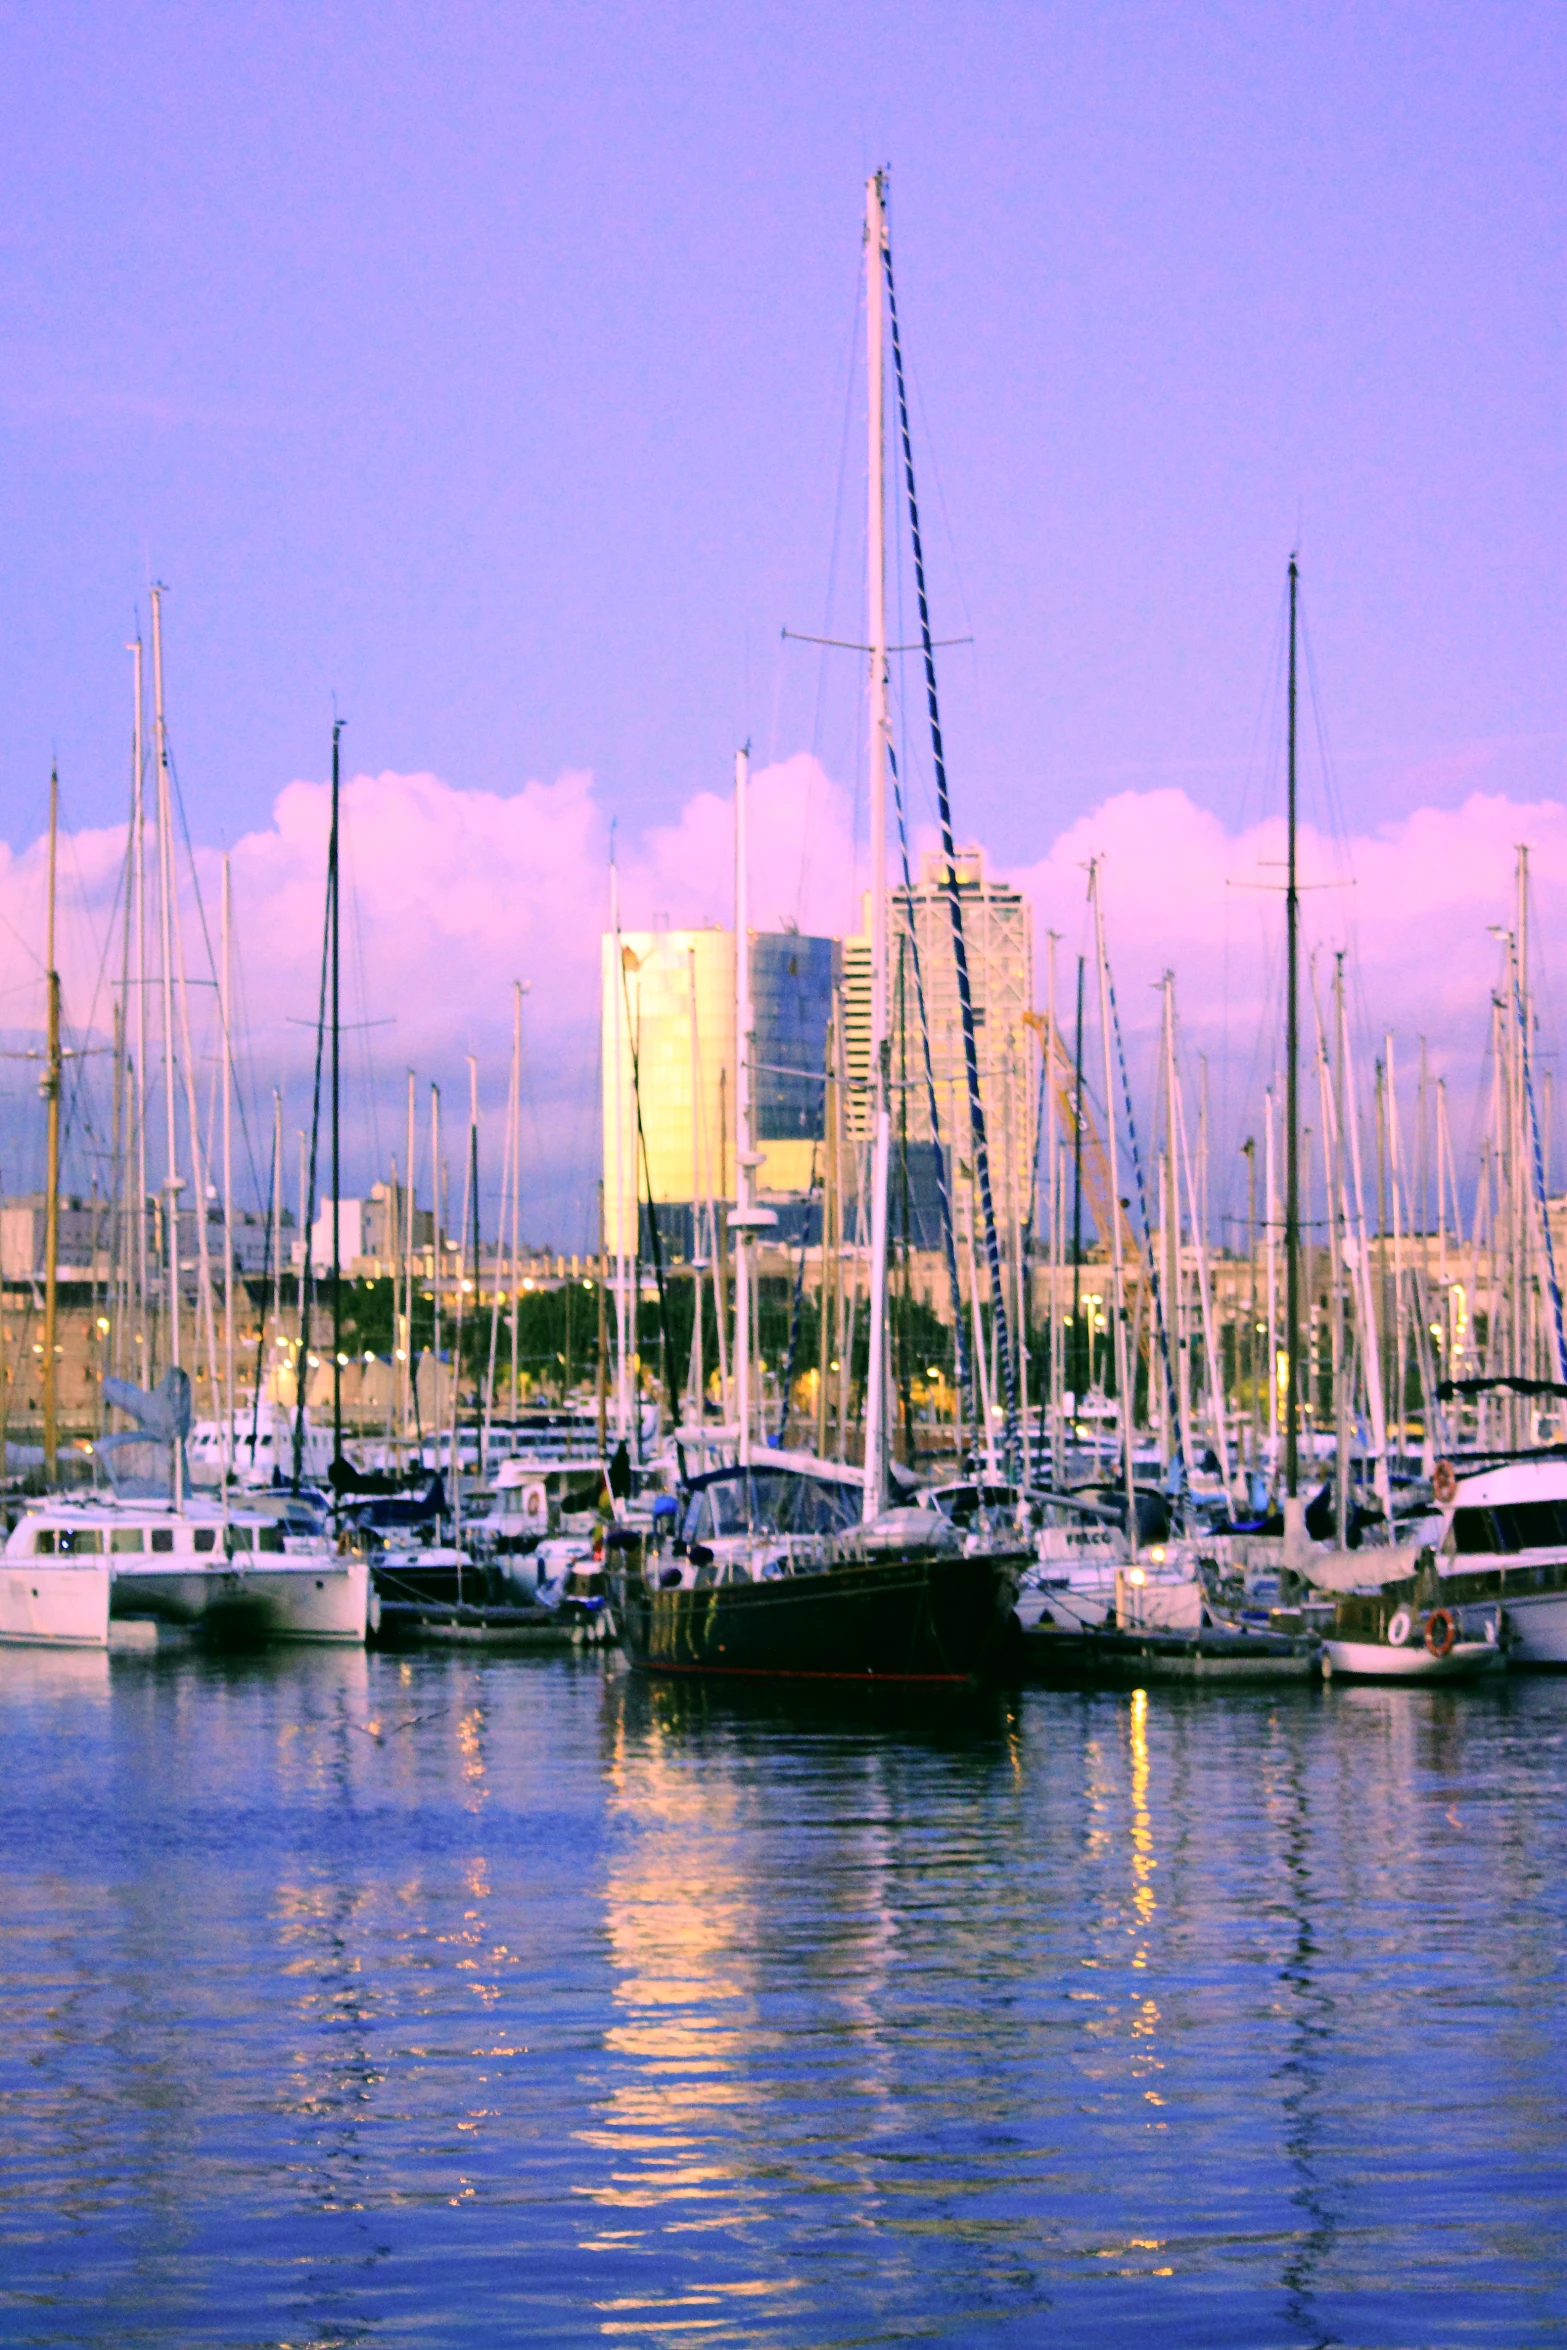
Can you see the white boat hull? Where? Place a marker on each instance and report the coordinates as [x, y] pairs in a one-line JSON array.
[[315, 1599], [1378, 1660], [1537, 1627], [55, 1603]]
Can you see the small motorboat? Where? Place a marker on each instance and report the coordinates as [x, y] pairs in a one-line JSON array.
[[1381, 1636]]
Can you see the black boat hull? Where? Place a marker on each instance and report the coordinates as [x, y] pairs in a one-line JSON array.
[[934, 1618]]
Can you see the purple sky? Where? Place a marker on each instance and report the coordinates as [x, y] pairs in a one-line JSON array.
[[491, 367]]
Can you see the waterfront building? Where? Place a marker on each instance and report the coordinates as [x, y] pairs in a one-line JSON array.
[[999, 945], [668, 1041]]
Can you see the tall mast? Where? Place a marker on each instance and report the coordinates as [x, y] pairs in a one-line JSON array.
[[278, 1348], [172, 1181], [1337, 1227], [880, 732], [138, 877], [1292, 1106], [741, 1220], [473, 1198], [697, 1368], [337, 1165], [409, 1231], [516, 1185], [436, 1259], [1124, 1370], [52, 1193], [624, 1308], [229, 1399]]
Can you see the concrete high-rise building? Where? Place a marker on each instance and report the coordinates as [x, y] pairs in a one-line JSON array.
[[999, 942]]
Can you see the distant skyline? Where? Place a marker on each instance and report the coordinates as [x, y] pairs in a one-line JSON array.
[[497, 371]]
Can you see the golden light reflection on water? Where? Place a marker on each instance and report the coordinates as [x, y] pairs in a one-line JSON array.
[[1144, 1861], [682, 1931], [1145, 2015]]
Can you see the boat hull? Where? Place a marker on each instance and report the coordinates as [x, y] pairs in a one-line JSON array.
[[325, 1600], [1537, 1627], [919, 1618], [54, 1604], [1210, 1656], [1378, 1660]]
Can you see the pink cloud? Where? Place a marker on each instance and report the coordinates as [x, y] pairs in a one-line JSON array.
[[450, 895]]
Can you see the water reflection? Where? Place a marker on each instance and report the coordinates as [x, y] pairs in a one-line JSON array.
[[443, 2000]]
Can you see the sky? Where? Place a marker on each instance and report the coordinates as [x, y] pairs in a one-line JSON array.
[[493, 372]]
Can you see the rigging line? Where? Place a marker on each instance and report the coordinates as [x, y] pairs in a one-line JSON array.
[[1539, 1176], [843, 644], [979, 1141], [965, 1368], [787, 1382], [178, 798], [306, 1277], [652, 1217], [837, 511], [1149, 1251], [357, 946]]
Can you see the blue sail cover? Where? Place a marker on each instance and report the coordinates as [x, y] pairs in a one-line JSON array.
[[139, 1462]]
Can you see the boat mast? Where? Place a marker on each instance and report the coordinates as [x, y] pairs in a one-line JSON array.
[[172, 1181], [52, 1192], [279, 1340], [337, 1166], [516, 1184], [880, 735], [410, 1230], [437, 1259], [698, 1377], [138, 882], [740, 1221], [230, 1400], [1125, 1373], [1292, 1104], [623, 1306]]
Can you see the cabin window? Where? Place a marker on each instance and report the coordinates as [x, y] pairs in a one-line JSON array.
[[81, 1541], [728, 1505], [204, 1537], [127, 1538], [43, 1542], [1511, 1526], [163, 1537], [240, 1538], [269, 1538]]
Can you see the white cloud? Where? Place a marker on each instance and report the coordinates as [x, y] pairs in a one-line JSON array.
[[450, 895]]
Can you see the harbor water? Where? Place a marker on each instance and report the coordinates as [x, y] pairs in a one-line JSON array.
[[348, 1999]]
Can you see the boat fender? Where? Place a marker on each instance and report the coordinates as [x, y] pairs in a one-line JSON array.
[[1444, 1483], [1493, 1631], [1441, 1632], [1398, 1629]]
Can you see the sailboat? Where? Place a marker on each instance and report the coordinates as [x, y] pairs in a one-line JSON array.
[[781, 1565], [58, 1594]]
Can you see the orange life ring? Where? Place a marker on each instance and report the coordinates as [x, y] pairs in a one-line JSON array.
[[1441, 1632], [1444, 1483]]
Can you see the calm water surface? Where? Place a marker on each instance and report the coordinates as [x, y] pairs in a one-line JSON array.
[[349, 2000]]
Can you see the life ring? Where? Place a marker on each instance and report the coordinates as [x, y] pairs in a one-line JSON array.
[[1444, 1483], [1398, 1628], [533, 1502], [1441, 1632]]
